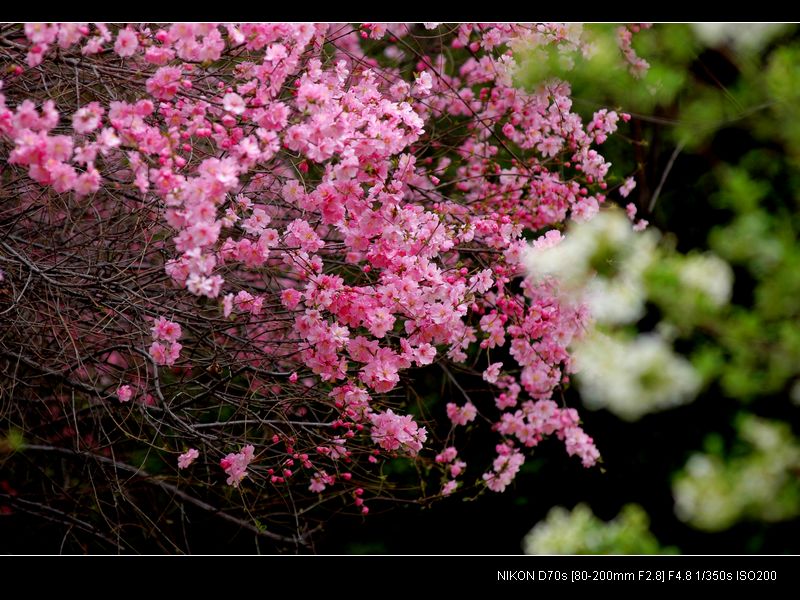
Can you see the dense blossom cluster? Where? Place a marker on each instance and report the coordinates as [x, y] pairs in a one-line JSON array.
[[332, 207]]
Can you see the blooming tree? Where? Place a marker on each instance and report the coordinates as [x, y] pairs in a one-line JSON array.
[[228, 251]]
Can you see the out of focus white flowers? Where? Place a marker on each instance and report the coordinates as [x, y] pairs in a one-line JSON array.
[[633, 377], [741, 36], [609, 267], [579, 531], [713, 493], [708, 274], [600, 262]]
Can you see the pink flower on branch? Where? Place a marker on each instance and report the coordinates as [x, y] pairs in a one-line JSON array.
[[166, 331], [301, 209], [187, 458], [124, 393], [235, 465]]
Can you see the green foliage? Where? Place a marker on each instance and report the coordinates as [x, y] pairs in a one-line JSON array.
[[13, 441]]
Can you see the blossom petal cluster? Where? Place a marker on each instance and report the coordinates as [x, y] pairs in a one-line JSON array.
[[324, 228]]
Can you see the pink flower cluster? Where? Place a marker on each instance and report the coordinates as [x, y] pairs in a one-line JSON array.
[[636, 64], [235, 465], [461, 415], [56, 160], [327, 233], [454, 467], [395, 432], [168, 332], [504, 468], [536, 420]]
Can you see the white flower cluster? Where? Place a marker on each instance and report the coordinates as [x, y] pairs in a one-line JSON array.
[[742, 36], [600, 262], [712, 494], [579, 531], [708, 274], [561, 532], [633, 377]]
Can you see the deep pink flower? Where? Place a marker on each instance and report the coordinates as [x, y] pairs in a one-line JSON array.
[[124, 393]]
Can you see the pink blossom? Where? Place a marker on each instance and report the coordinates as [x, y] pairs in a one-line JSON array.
[[395, 432], [200, 285], [290, 298], [461, 415], [492, 371], [627, 187], [235, 465], [449, 487], [164, 83], [124, 393], [126, 43], [233, 103], [41, 33], [457, 468], [166, 330], [504, 469], [227, 305], [87, 118], [379, 321], [319, 481], [300, 233], [165, 355], [187, 458], [447, 455], [423, 84]]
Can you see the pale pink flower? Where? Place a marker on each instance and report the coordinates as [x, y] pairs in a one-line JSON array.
[[461, 415], [492, 371], [187, 458], [235, 465], [233, 103], [627, 187], [87, 118], [126, 43], [423, 84], [449, 487]]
